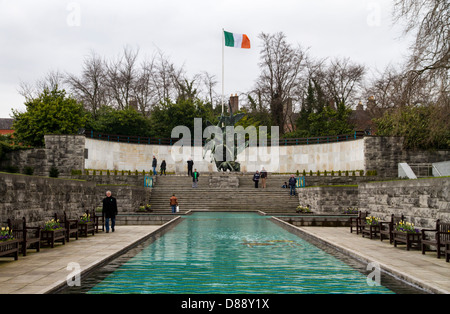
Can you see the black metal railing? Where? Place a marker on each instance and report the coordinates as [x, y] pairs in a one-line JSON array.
[[171, 141]]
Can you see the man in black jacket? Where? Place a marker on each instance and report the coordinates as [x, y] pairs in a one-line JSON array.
[[109, 211], [154, 164], [190, 163]]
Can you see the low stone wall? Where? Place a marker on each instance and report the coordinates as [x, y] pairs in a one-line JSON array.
[[65, 152], [143, 219], [311, 220], [385, 153], [38, 198], [422, 201], [330, 199]]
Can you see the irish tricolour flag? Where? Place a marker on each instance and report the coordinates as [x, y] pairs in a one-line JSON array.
[[236, 40]]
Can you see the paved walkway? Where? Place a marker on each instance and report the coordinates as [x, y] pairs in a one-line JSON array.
[[425, 271], [39, 273]]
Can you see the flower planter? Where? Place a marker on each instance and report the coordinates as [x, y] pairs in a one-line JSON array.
[[373, 231], [52, 236], [85, 228], [407, 238], [10, 248]]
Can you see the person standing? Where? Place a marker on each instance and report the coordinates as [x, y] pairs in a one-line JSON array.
[[195, 176], [109, 211], [292, 183], [163, 168], [263, 177], [173, 203], [256, 177], [154, 164], [190, 163]]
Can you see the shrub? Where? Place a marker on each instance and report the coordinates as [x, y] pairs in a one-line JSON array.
[[28, 170], [54, 172]]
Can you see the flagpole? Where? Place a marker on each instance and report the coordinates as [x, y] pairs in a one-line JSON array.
[[223, 68]]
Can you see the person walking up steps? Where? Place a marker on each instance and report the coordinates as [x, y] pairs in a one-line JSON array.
[[195, 176]]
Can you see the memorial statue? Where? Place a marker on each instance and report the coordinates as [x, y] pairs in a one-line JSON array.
[[218, 141]]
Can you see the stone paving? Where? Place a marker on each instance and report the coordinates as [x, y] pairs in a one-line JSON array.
[[426, 271], [39, 273]]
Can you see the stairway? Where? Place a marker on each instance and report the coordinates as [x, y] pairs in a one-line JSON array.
[[273, 199]]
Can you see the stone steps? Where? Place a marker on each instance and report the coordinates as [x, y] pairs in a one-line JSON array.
[[245, 197]]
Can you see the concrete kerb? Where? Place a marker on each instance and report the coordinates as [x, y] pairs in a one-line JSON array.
[[60, 285], [391, 271]]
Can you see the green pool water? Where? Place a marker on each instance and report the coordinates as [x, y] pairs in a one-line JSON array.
[[233, 253]]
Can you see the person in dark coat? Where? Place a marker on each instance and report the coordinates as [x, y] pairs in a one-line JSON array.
[[195, 176], [109, 211], [292, 183], [190, 163], [163, 168], [154, 164], [256, 177]]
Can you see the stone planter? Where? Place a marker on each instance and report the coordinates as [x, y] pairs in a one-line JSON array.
[[407, 238], [52, 236]]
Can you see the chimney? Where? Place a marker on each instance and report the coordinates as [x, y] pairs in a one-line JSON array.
[[360, 106], [234, 102]]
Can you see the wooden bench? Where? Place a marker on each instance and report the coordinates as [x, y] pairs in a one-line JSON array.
[[387, 227], [356, 222], [27, 236], [71, 225], [435, 237], [97, 221], [447, 251], [85, 228]]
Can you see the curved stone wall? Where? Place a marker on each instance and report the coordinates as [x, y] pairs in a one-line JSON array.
[[123, 156]]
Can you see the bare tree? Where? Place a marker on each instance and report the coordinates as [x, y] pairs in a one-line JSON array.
[[343, 80], [209, 82], [166, 76], [120, 77], [281, 66], [144, 90], [90, 88], [429, 21], [53, 80]]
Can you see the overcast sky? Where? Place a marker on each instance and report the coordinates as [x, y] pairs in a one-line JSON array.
[[37, 36]]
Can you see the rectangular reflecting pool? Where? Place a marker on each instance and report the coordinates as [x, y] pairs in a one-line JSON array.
[[233, 253]]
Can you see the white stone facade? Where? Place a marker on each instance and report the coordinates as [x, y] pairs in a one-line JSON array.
[[104, 155]]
